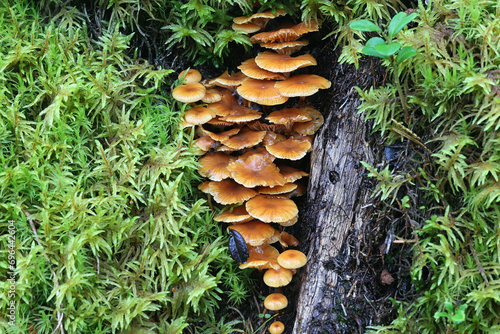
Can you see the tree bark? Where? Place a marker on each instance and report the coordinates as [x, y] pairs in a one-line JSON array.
[[336, 204]]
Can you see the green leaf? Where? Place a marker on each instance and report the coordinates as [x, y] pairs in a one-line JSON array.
[[398, 22], [370, 48], [405, 53], [364, 25], [388, 49]]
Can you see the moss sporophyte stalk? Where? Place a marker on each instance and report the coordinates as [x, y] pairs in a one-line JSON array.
[[245, 149]]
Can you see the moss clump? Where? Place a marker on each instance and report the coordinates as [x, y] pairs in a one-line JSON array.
[[97, 177], [447, 188]]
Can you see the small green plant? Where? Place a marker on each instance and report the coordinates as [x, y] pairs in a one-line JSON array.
[[454, 315], [387, 48]]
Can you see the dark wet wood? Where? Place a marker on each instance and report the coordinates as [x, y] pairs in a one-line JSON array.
[[336, 203]]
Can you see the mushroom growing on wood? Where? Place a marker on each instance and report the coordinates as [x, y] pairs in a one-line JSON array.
[[276, 327], [278, 277], [214, 166], [271, 209], [256, 170], [281, 63], [189, 93], [229, 192], [275, 302], [292, 259], [262, 92], [254, 232]]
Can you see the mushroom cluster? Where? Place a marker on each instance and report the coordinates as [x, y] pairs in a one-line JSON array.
[[248, 142]]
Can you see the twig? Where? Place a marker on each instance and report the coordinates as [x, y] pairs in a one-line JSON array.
[[481, 269]]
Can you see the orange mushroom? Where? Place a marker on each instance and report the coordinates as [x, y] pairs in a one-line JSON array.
[[292, 259], [252, 70], [189, 93], [262, 92], [229, 192], [275, 302], [236, 214], [271, 209], [244, 139], [214, 166], [281, 63], [198, 115], [191, 76], [254, 232], [277, 277], [291, 149], [255, 170], [261, 257], [302, 85], [276, 327]]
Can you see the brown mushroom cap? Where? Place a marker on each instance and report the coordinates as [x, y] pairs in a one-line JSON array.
[[229, 81], [286, 239], [277, 277], [199, 115], [254, 232], [256, 170], [281, 63], [211, 96], [192, 76], [289, 116], [276, 327], [271, 209], [237, 214], [291, 174], [259, 18], [248, 27], [241, 114], [189, 93], [291, 149], [276, 190], [292, 259], [229, 192], [286, 48], [302, 85], [261, 91], [309, 128], [258, 150], [285, 34], [252, 70], [244, 139], [205, 143], [221, 136], [214, 166], [261, 257], [275, 302]]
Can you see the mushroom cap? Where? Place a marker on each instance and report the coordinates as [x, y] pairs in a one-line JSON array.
[[192, 76], [216, 121], [273, 138], [258, 150], [247, 27], [199, 115], [290, 222], [309, 128], [204, 186], [276, 327], [252, 70], [244, 139], [261, 257], [286, 239], [189, 93], [236, 214], [271, 209], [261, 126], [255, 170], [211, 96], [291, 149], [302, 85], [205, 143], [281, 63], [276, 190], [259, 18], [241, 114], [289, 116], [286, 34], [292, 259], [229, 192], [254, 232], [221, 136], [275, 302], [277, 277], [229, 81], [214, 166], [291, 174], [262, 92], [286, 48]]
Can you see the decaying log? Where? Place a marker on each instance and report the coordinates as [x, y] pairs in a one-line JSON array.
[[336, 203]]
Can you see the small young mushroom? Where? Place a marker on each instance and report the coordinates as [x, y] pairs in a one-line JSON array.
[[276, 327], [292, 259], [275, 302], [189, 93], [191, 76], [254, 232], [278, 277]]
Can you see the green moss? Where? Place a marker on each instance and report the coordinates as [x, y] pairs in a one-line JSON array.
[[97, 178]]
